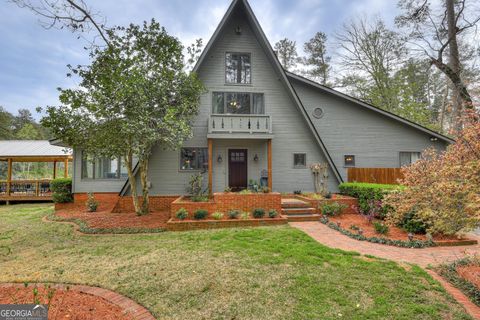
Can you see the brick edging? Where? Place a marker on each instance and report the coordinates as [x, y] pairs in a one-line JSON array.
[[471, 308], [127, 305]]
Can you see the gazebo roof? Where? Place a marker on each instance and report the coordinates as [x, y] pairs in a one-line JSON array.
[[32, 148]]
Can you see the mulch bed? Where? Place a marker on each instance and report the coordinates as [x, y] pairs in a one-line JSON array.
[[65, 304], [471, 273], [109, 220], [395, 233]]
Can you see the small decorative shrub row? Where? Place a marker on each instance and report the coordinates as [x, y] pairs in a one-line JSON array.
[[449, 272], [333, 208], [61, 190], [397, 243], [201, 214]]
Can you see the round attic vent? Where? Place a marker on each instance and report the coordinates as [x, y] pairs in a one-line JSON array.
[[318, 113]]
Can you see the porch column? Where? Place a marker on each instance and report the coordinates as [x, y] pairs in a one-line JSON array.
[[269, 157], [65, 174], [9, 177], [54, 169], [210, 166]]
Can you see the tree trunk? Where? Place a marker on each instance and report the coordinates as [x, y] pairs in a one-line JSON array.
[[133, 182], [443, 110], [144, 181], [454, 63]]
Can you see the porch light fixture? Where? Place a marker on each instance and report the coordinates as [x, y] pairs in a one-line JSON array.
[[433, 139], [238, 30], [219, 158], [255, 158]]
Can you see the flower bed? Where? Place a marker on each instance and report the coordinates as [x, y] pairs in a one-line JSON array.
[[465, 275], [348, 224], [184, 225], [224, 202], [350, 202]]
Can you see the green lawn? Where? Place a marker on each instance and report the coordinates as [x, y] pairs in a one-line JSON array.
[[260, 273]]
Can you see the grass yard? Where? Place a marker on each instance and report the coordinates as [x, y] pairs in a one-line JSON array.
[[259, 273]]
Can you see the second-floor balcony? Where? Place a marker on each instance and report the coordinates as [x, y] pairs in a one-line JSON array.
[[239, 123]]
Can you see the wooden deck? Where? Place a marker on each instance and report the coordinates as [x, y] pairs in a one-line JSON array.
[[25, 190]]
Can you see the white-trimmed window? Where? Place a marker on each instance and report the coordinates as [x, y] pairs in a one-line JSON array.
[[238, 69], [299, 160], [407, 158], [238, 103], [102, 168], [193, 159]]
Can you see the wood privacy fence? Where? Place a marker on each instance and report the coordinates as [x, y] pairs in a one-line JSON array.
[[374, 175]]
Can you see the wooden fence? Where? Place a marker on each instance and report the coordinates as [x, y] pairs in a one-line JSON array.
[[374, 175]]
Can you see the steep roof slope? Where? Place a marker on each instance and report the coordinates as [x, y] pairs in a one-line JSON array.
[[275, 63]]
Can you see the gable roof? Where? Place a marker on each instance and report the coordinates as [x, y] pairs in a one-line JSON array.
[[276, 64], [369, 106]]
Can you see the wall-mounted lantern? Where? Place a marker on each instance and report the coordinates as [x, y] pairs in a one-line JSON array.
[[219, 158], [255, 158]]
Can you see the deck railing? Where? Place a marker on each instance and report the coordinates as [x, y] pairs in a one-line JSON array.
[[233, 123], [25, 188]]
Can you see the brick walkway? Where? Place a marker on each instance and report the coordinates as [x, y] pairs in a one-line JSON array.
[[127, 305], [422, 257]]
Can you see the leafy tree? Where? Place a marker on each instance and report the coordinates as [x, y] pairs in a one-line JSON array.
[[443, 190], [134, 96], [194, 50], [317, 59], [6, 124], [436, 30], [287, 53], [28, 132]]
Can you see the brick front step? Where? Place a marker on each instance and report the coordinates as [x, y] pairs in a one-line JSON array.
[[303, 217], [294, 203], [297, 211]]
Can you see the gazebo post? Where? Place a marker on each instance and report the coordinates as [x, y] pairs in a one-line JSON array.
[[65, 174], [9, 178], [54, 169]]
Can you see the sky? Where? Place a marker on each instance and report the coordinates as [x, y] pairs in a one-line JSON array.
[[33, 60]]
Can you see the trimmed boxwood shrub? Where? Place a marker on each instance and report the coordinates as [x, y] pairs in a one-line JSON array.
[[411, 224], [181, 214], [272, 213], [233, 214], [367, 193], [258, 213], [61, 190], [200, 214]]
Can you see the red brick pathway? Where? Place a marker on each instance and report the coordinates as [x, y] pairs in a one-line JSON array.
[[128, 305], [422, 257]]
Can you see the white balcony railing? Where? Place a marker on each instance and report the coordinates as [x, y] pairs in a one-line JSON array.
[[239, 123]]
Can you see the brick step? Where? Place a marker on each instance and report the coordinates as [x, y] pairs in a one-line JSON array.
[[303, 217], [294, 203], [298, 211]]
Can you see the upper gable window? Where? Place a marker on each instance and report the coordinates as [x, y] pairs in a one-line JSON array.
[[238, 68]]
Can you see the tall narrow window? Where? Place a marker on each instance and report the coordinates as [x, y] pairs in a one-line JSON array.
[[407, 158], [237, 68]]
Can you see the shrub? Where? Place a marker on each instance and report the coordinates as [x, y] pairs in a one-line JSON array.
[[200, 214], [412, 224], [181, 214], [217, 215], [201, 198], [265, 189], [272, 213], [354, 227], [91, 203], [246, 191], [227, 190], [380, 228], [258, 213], [233, 214], [332, 209], [443, 189], [367, 194], [61, 190], [315, 196], [297, 192]]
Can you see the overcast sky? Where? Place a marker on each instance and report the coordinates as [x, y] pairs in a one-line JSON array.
[[33, 60]]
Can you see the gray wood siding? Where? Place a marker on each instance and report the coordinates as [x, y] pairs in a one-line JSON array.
[[349, 129]]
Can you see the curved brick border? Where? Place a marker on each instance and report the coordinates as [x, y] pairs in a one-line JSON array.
[[127, 305]]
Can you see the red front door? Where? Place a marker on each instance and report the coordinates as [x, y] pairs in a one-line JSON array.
[[237, 169]]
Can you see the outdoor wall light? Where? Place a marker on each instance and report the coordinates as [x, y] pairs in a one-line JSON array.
[[433, 139], [255, 158], [219, 158]]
